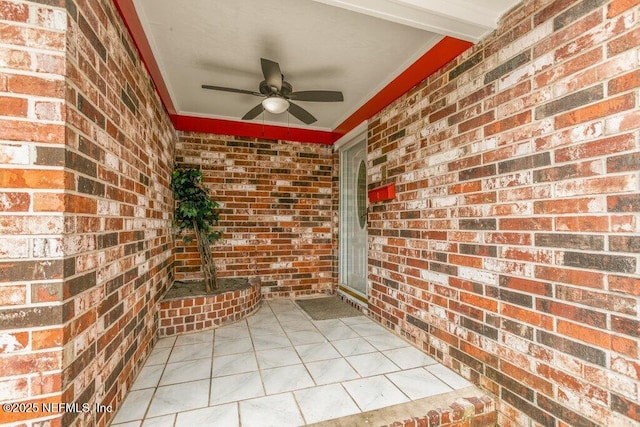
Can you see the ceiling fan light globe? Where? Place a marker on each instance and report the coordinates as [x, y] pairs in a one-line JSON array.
[[275, 104]]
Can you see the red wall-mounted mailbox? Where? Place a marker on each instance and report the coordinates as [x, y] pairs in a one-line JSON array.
[[380, 194]]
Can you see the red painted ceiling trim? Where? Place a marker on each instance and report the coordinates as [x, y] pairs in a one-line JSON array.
[[438, 56], [130, 17], [250, 129], [435, 58]]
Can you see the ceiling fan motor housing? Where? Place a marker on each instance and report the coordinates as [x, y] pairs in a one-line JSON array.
[[267, 90], [278, 93]]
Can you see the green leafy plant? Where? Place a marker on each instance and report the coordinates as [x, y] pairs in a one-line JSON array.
[[196, 211]]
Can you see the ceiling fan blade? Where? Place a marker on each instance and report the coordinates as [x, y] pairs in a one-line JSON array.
[[317, 96], [301, 114], [230, 89], [254, 112], [272, 73]]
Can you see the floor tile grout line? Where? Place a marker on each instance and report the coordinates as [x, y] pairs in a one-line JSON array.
[[350, 396], [278, 315], [255, 355], [213, 351], [353, 367], [155, 389]]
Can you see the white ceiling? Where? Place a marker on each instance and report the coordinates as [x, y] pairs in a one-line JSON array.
[[354, 46]]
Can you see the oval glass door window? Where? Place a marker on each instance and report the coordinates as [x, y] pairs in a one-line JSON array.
[[361, 195]]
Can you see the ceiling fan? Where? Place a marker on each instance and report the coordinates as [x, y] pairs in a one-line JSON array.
[[278, 94]]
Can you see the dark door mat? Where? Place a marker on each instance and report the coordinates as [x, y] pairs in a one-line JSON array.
[[327, 308]]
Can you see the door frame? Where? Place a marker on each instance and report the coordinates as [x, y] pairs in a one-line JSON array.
[[345, 291]]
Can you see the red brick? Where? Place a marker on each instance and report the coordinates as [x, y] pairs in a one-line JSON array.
[[14, 202], [31, 85], [525, 224], [12, 106], [46, 338], [11, 11], [508, 123], [442, 113], [479, 301], [527, 316], [600, 147], [14, 130], [624, 82], [79, 204], [537, 382], [575, 277], [624, 42], [625, 346], [582, 223], [630, 327], [25, 178], [13, 295], [526, 285], [477, 121], [618, 6], [628, 285], [509, 238], [48, 202], [595, 111]]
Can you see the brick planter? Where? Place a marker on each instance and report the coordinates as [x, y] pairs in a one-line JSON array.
[[196, 313]]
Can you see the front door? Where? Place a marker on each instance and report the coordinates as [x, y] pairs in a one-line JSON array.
[[353, 220]]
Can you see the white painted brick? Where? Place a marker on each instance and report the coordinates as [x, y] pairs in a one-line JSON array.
[[465, 89], [106, 207], [112, 161], [475, 275], [48, 248], [417, 204], [444, 157], [14, 154], [8, 344], [581, 187], [433, 276], [442, 202], [438, 311], [525, 42], [484, 145], [515, 77], [14, 247], [543, 62], [505, 181]]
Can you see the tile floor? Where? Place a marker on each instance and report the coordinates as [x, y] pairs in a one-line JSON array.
[[280, 368]]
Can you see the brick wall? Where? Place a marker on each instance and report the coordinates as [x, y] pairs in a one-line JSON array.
[[180, 315], [511, 250], [86, 246], [276, 214], [32, 183], [119, 157]]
